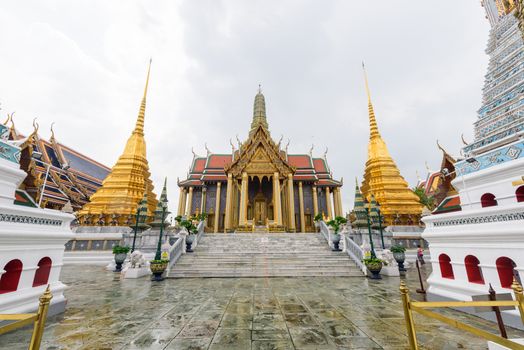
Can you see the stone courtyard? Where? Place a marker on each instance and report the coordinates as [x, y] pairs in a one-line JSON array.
[[105, 312]]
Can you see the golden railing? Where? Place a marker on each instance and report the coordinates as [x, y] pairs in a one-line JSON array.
[[420, 307], [38, 319]]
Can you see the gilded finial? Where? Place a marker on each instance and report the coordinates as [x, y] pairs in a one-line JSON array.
[[356, 182], [287, 145], [325, 153], [311, 150], [139, 128], [193, 151], [463, 141], [8, 119], [239, 142], [35, 127], [280, 141], [259, 88], [207, 149], [52, 131], [373, 128], [232, 145]]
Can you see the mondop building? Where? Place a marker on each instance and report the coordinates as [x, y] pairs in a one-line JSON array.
[[260, 187], [481, 241]]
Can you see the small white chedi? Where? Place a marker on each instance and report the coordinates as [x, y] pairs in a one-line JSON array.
[[31, 240]]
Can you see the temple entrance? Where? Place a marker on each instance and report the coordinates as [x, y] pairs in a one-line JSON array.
[[260, 210]]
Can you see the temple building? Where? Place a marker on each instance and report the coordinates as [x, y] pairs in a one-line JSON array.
[[480, 242], [260, 186], [399, 206], [72, 177], [116, 202]]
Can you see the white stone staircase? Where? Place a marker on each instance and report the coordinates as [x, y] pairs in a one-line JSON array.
[[264, 255]]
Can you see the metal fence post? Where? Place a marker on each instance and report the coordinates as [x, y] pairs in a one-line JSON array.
[[38, 329], [410, 324]]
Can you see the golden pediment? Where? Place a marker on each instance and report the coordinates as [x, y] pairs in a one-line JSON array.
[[259, 155]]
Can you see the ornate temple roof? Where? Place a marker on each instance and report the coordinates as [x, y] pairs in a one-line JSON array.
[[382, 177], [304, 167], [73, 177], [123, 188]]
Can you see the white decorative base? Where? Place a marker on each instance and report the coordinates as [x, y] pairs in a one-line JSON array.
[[136, 272], [495, 346], [391, 271]]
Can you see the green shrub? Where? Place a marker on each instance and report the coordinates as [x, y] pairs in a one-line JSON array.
[[117, 249], [397, 249]]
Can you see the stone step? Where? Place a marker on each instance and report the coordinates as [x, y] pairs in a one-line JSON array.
[[217, 274]]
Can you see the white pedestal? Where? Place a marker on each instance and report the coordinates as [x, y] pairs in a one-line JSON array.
[[136, 272], [391, 271], [495, 346]]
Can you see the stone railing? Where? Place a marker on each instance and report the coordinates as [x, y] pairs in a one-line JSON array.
[[355, 252], [326, 232], [176, 250], [200, 229]]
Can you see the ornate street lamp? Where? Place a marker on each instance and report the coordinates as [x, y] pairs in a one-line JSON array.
[[380, 218], [142, 208], [368, 209], [158, 255]]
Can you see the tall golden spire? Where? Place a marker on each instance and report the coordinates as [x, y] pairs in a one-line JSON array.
[[373, 127], [139, 127], [383, 180], [259, 112], [125, 185]]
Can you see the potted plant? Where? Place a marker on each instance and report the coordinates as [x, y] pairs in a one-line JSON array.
[[317, 217], [191, 233], [399, 253], [157, 268], [335, 225], [374, 266], [120, 256]]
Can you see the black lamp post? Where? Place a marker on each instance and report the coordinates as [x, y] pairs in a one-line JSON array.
[[141, 208], [380, 226], [158, 255], [373, 255]]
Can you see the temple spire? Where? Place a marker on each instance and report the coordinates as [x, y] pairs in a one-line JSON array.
[[259, 112], [139, 127], [373, 128]]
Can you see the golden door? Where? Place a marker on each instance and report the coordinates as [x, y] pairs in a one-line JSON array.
[[260, 212]]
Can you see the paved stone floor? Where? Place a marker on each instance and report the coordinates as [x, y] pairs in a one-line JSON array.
[[105, 312]]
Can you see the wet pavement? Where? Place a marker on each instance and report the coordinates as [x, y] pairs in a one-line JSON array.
[[105, 312]]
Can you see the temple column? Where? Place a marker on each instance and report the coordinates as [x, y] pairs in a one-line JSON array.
[[301, 205], [277, 205], [229, 204], [339, 202], [217, 208], [315, 200], [329, 204], [242, 218], [203, 201], [335, 202], [291, 203], [181, 201], [189, 201]]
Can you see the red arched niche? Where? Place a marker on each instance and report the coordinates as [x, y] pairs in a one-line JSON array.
[[506, 270], [11, 277], [488, 200], [519, 193], [42, 273], [446, 270], [473, 269]]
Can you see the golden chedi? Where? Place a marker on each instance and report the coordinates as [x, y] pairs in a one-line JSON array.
[[399, 205], [116, 202]]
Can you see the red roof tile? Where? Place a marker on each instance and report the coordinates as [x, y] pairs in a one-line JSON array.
[[320, 165], [199, 165], [299, 160], [218, 161]]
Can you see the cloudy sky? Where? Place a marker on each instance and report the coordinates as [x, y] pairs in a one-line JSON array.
[[82, 65]]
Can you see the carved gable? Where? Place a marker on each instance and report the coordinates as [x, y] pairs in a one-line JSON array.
[[259, 155]]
